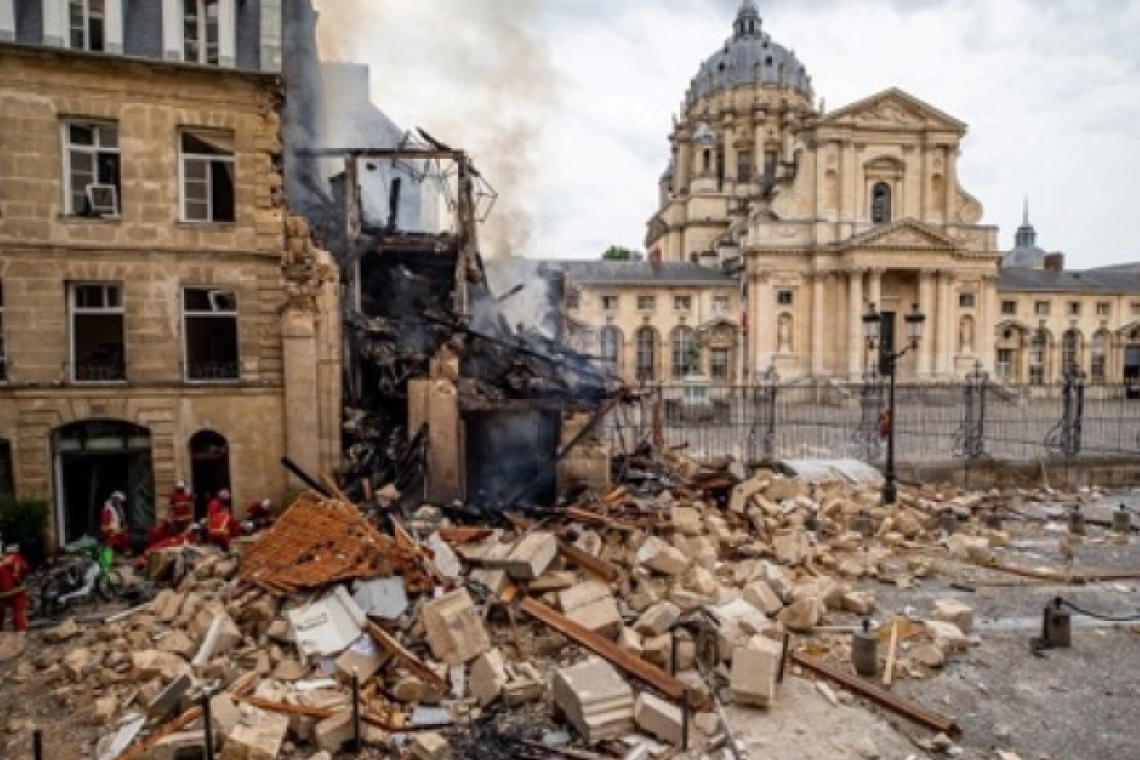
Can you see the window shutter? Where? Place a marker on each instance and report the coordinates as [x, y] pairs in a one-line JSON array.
[[113, 26], [55, 23], [227, 33], [172, 42], [7, 20]]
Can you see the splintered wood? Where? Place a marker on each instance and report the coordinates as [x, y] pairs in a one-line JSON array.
[[318, 542]]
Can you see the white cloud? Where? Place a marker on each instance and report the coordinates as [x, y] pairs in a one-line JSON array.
[[1051, 91]]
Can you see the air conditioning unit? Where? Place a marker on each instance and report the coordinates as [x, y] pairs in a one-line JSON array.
[[103, 200]]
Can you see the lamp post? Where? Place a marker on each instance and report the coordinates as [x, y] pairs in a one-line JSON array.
[[888, 358]]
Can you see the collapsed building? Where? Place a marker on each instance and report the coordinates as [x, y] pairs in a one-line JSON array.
[[444, 398]]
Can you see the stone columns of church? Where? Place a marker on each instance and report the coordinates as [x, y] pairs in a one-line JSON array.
[[817, 342], [926, 303], [683, 170], [944, 322], [855, 323], [875, 287]]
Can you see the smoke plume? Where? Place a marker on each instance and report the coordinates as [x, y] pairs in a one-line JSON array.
[[477, 74]]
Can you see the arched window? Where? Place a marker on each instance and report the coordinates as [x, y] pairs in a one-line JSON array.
[[1070, 351], [1098, 355], [881, 203], [646, 354], [611, 346], [706, 161], [1037, 357], [686, 353]]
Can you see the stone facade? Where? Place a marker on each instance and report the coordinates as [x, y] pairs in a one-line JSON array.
[[280, 397]]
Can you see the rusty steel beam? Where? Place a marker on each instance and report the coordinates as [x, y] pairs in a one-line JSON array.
[[589, 562], [603, 647], [882, 697]]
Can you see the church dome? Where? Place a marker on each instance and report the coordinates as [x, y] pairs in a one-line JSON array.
[[1026, 254], [750, 57]]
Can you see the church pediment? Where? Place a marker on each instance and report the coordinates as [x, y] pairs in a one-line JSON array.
[[893, 109], [905, 234]]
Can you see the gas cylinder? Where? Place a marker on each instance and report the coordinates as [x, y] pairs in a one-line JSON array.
[[865, 651]]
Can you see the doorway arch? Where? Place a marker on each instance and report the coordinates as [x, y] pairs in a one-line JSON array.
[[209, 468], [93, 459]]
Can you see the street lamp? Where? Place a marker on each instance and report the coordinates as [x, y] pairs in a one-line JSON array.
[[888, 360]]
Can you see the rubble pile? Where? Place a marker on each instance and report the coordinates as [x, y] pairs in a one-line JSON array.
[[623, 619]]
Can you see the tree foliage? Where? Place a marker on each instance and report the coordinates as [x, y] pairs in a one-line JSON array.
[[620, 253]]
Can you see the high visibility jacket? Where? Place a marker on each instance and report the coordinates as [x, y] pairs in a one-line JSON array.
[[221, 525], [13, 569], [182, 506]]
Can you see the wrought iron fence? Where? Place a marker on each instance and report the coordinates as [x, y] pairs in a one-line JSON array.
[[966, 420]]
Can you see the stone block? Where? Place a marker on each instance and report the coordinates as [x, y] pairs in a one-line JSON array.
[[430, 746], [947, 636], [214, 627], [177, 642], [761, 596], [630, 641], [488, 677], [454, 628], [658, 619], [257, 736], [166, 605], [859, 602], [954, 611], [592, 606], [178, 745], [803, 615], [658, 718], [531, 557], [225, 713], [687, 520], [754, 670], [365, 657], [662, 558], [594, 699], [334, 732]]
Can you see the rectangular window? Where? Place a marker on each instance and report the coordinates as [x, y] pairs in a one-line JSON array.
[[720, 305], [3, 351], [7, 479], [1104, 309], [91, 178], [1074, 308], [966, 300], [646, 303], [718, 363], [573, 300], [1005, 363], [610, 303], [1135, 308], [210, 329], [200, 31], [1009, 308], [86, 22], [207, 160], [1041, 308], [785, 297], [98, 347], [744, 166], [683, 303], [770, 160]]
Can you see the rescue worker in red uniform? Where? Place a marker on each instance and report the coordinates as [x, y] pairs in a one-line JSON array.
[[222, 527], [114, 522], [260, 514], [13, 570], [218, 502], [166, 529], [182, 506]]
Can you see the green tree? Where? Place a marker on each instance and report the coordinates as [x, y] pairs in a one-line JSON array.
[[620, 253]]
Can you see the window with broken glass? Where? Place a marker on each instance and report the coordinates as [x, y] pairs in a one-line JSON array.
[[91, 177], [207, 161], [200, 31], [98, 347], [86, 22], [210, 330]]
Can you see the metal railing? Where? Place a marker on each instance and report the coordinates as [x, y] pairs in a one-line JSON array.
[[970, 419]]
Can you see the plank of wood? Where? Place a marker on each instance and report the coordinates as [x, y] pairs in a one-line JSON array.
[[589, 562], [603, 647], [179, 723], [413, 663], [892, 653]]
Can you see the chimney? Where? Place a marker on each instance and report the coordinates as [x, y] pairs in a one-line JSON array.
[[1055, 262], [655, 256]]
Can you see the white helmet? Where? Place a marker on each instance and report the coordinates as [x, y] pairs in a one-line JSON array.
[[224, 494], [118, 496], [180, 485], [266, 503], [12, 549]]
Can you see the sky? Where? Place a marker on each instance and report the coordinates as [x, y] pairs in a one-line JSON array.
[[566, 105]]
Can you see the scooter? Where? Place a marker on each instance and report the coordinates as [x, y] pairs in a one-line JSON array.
[[87, 573]]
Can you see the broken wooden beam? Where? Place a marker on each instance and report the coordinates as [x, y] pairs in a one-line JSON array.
[[603, 647], [881, 696], [174, 726], [410, 661], [588, 562]]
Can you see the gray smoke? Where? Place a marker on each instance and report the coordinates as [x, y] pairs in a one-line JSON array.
[[477, 74]]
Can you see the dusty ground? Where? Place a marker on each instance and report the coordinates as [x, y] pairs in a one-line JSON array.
[[1075, 704]]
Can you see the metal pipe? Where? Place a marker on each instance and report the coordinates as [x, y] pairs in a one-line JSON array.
[[910, 710], [686, 717], [38, 744], [784, 657], [304, 477], [208, 725], [357, 744]]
